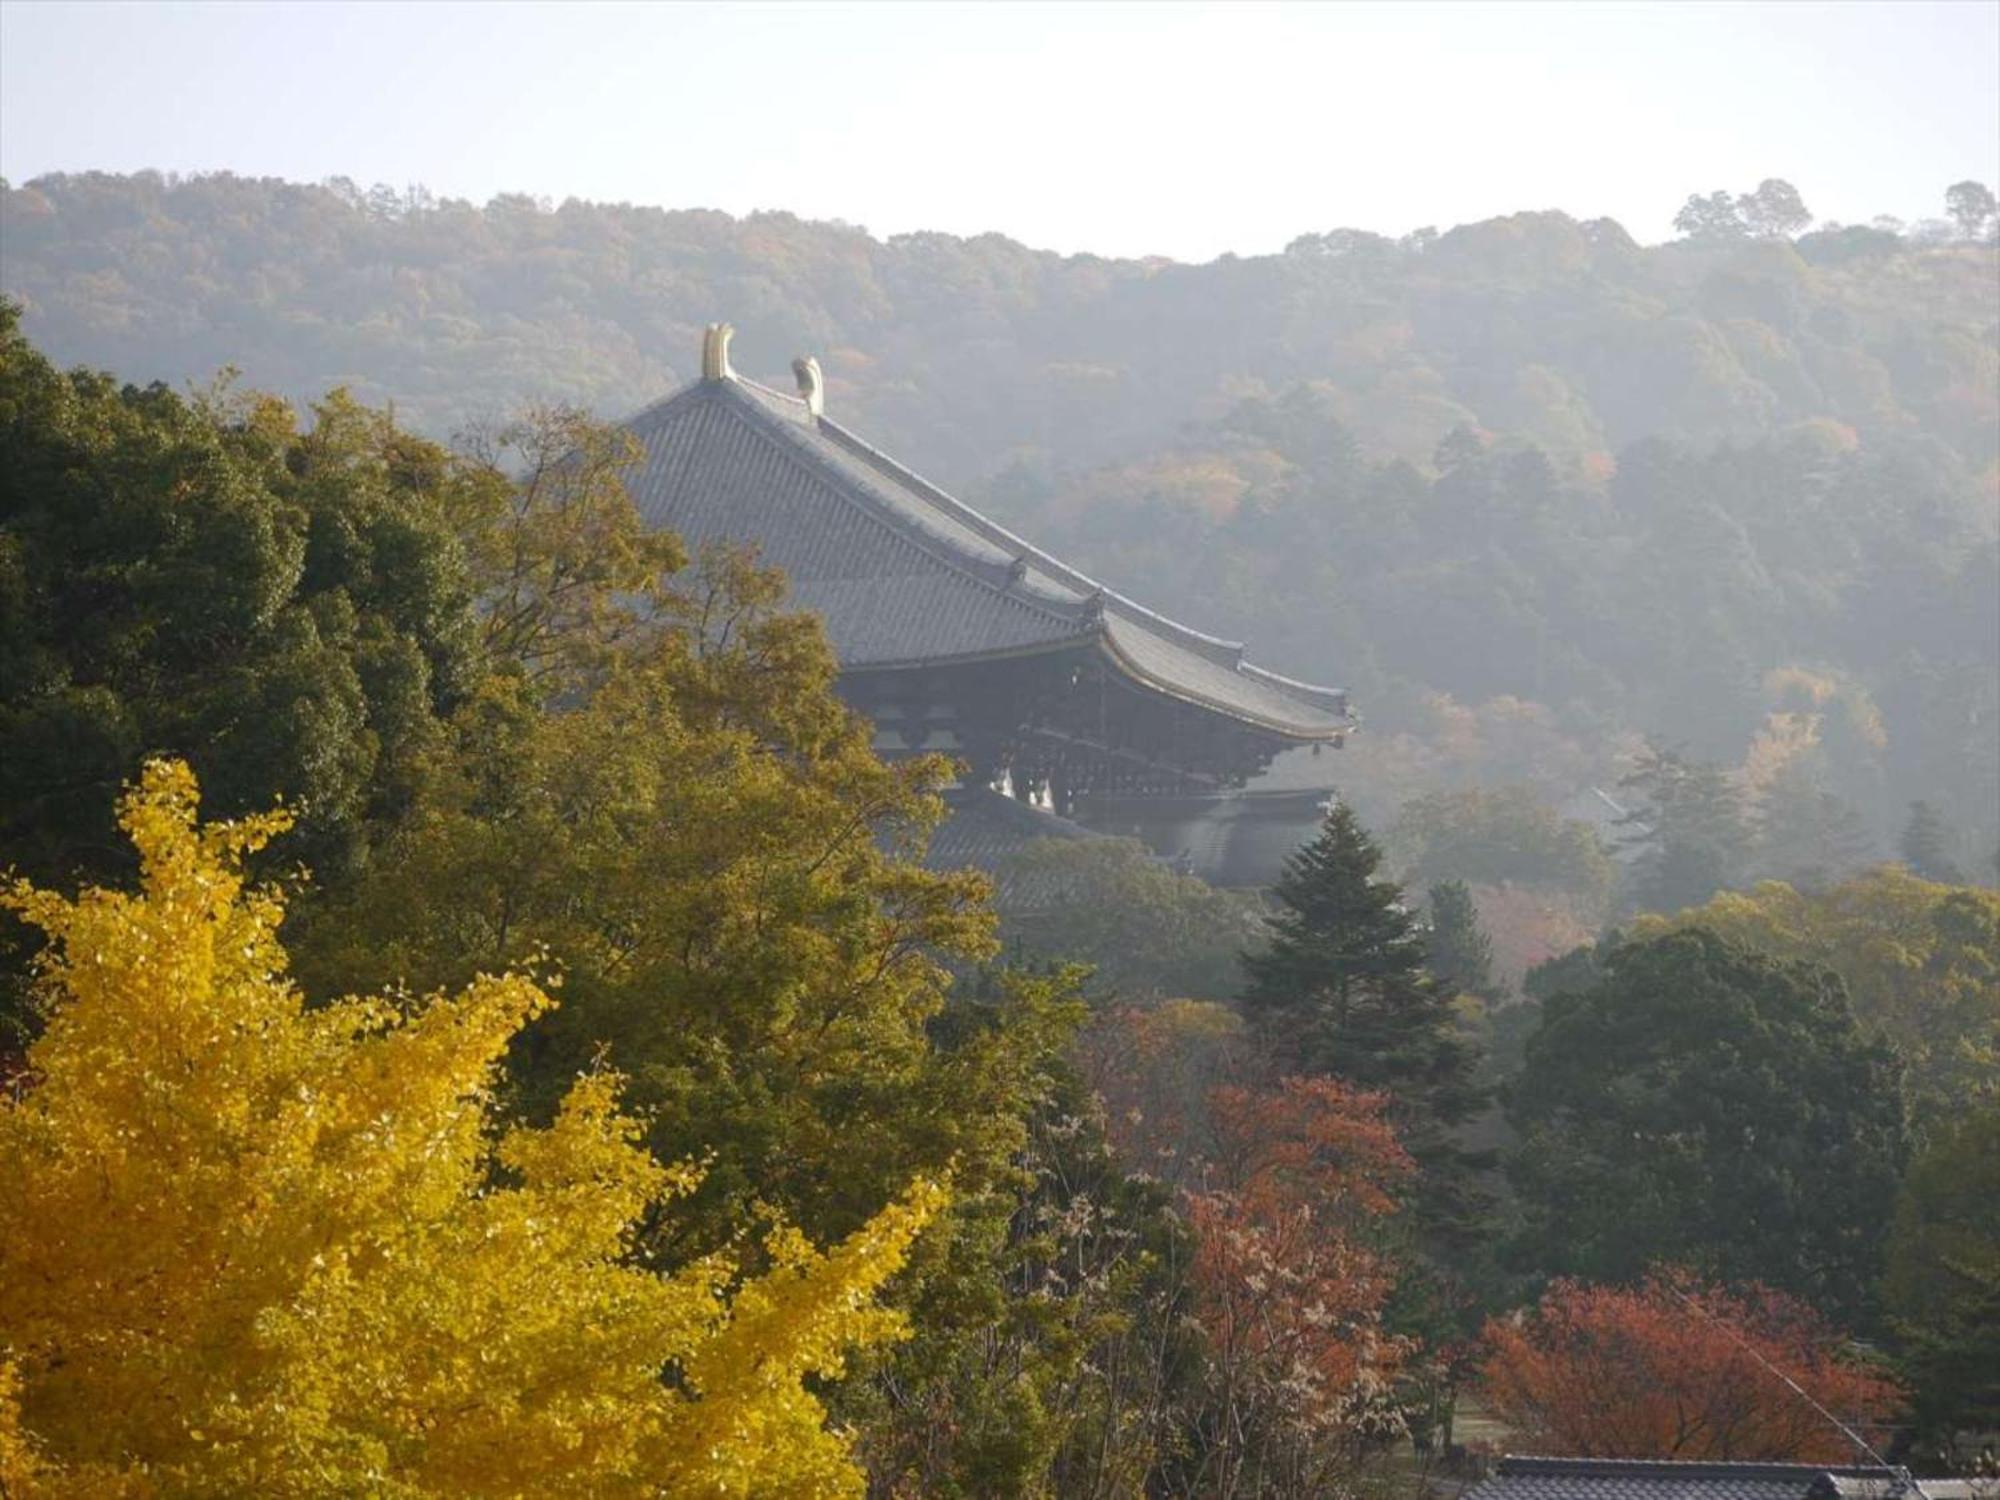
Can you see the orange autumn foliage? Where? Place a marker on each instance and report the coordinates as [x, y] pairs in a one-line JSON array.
[[1156, 1068], [1289, 1287], [1619, 1372]]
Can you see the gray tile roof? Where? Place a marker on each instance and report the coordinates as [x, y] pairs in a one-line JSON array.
[[1873, 1485], [1643, 1479], [904, 574]]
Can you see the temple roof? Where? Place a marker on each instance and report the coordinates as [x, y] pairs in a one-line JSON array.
[[1526, 1478], [903, 574]]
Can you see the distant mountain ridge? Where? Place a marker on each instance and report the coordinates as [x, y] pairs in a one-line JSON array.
[[969, 353]]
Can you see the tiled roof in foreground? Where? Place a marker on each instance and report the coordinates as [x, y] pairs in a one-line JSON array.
[[1642, 1479], [903, 574]]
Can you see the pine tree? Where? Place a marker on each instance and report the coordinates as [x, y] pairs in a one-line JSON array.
[[1342, 990], [1926, 846], [1460, 954], [1691, 836]]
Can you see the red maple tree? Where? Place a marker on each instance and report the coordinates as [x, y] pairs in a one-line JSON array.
[[1288, 1283], [1667, 1370]]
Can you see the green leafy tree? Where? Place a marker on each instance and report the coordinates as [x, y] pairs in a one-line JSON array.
[[1775, 210], [655, 790], [1704, 1104], [1082, 1374], [1147, 931], [285, 609], [568, 575], [1718, 216], [1972, 207], [1511, 1027], [1341, 989], [1505, 834], [1943, 1283], [1920, 963], [1806, 834], [1567, 973], [699, 845]]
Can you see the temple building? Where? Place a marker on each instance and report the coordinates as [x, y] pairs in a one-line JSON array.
[[1086, 709]]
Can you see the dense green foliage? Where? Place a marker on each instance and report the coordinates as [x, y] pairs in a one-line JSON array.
[[1920, 963], [1505, 834], [1689, 835], [286, 609], [1943, 1283], [1927, 845], [1704, 1104], [1147, 931]]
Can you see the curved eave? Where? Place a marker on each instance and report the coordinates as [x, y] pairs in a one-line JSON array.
[[1333, 700], [1099, 639], [1291, 729]]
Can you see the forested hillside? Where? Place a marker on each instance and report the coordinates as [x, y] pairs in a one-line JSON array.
[[965, 353], [1537, 492]]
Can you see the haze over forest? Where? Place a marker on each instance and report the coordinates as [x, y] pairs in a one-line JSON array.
[[1536, 492]]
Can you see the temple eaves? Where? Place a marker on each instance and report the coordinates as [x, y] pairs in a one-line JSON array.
[[907, 577]]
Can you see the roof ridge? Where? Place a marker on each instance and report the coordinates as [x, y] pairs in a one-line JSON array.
[[1049, 563], [800, 450], [990, 576], [1685, 1468], [772, 392]]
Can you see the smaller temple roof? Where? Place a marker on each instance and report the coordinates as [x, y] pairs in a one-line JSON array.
[[903, 574], [1525, 1478]]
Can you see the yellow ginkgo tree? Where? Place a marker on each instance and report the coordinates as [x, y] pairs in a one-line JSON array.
[[249, 1246]]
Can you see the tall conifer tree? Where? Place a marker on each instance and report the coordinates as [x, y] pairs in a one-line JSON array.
[[1926, 846], [1691, 836], [1342, 990], [1460, 952]]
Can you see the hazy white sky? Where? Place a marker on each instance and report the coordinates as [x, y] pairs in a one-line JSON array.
[[1123, 129]]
